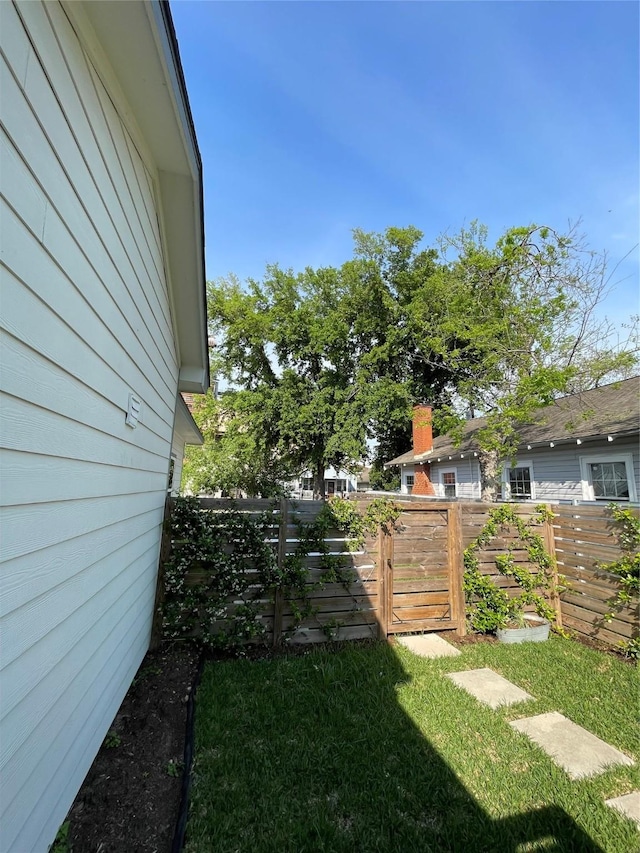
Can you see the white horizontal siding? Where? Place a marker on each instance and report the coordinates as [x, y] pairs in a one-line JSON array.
[[556, 470], [467, 477], [86, 320], [556, 473]]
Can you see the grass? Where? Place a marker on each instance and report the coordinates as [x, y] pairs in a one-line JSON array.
[[370, 748]]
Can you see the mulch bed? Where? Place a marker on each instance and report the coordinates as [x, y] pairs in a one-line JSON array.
[[130, 799]]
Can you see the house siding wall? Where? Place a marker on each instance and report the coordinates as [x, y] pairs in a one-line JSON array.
[[330, 473], [85, 320], [556, 470], [467, 478]]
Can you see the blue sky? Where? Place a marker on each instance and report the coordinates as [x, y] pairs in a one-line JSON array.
[[315, 118]]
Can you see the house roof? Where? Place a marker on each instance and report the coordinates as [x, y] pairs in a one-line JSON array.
[[185, 426], [611, 410], [139, 42]]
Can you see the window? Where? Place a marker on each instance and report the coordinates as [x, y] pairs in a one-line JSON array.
[[608, 478], [341, 485], [520, 482], [517, 482], [409, 481], [307, 484], [448, 481]]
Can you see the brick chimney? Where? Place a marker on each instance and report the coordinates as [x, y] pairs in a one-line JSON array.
[[422, 442], [422, 433]]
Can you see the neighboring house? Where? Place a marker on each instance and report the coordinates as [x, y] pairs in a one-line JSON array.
[[336, 482], [364, 480], [581, 448], [103, 319]]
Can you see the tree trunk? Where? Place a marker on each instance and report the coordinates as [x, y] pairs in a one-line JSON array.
[[490, 485], [318, 481]]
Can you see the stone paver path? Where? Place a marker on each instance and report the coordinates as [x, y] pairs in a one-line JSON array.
[[628, 805], [575, 749], [429, 646], [489, 687]]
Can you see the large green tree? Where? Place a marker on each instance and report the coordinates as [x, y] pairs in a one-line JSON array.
[[231, 460], [325, 361], [326, 357], [516, 325]]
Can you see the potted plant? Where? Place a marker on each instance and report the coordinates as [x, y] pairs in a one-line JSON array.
[[519, 626]]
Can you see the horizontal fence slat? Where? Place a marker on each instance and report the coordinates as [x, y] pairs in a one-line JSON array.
[[411, 614], [338, 604], [415, 572], [422, 625], [348, 632], [344, 617], [401, 586], [401, 599], [586, 623], [598, 606]]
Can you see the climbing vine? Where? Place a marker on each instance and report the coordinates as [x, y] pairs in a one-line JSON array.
[[344, 516], [488, 606], [627, 568], [221, 568], [219, 563]]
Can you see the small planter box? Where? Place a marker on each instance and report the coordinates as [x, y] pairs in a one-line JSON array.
[[530, 634]]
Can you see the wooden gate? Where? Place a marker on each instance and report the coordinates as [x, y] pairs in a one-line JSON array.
[[420, 570]]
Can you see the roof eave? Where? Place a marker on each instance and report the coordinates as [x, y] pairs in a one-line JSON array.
[[141, 46], [185, 426]]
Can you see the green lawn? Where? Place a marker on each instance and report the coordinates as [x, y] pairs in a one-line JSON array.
[[370, 748]]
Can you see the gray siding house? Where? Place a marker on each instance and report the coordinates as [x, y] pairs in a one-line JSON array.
[[103, 323], [582, 448]]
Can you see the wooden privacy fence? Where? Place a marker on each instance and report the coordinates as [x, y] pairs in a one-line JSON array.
[[584, 537], [410, 578]]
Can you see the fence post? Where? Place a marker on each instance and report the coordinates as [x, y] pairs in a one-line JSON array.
[[550, 544], [381, 606], [388, 576], [278, 599], [456, 568], [165, 549]]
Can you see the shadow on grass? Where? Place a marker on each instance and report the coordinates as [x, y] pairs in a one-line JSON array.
[[314, 753]]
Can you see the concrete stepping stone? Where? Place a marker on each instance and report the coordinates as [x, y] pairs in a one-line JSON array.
[[575, 749], [429, 646], [628, 805], [489, 687]]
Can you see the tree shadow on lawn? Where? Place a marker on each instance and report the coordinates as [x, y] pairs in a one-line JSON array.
[[277, 769]]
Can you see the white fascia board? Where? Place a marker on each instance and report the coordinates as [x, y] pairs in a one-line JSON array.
[[185, 426], [138, 40]]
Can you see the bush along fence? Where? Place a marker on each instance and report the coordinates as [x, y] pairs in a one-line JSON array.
[[234, 572]]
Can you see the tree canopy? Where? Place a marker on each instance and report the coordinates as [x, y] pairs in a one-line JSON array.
[[324, 356], [517, 324], [231, 460], [321, 362]]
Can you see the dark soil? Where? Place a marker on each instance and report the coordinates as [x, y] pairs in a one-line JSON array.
[[130, 799]]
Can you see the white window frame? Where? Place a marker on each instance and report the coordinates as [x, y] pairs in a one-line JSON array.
[[406, 487], [585, 473], [452, 470], [506, 483]]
